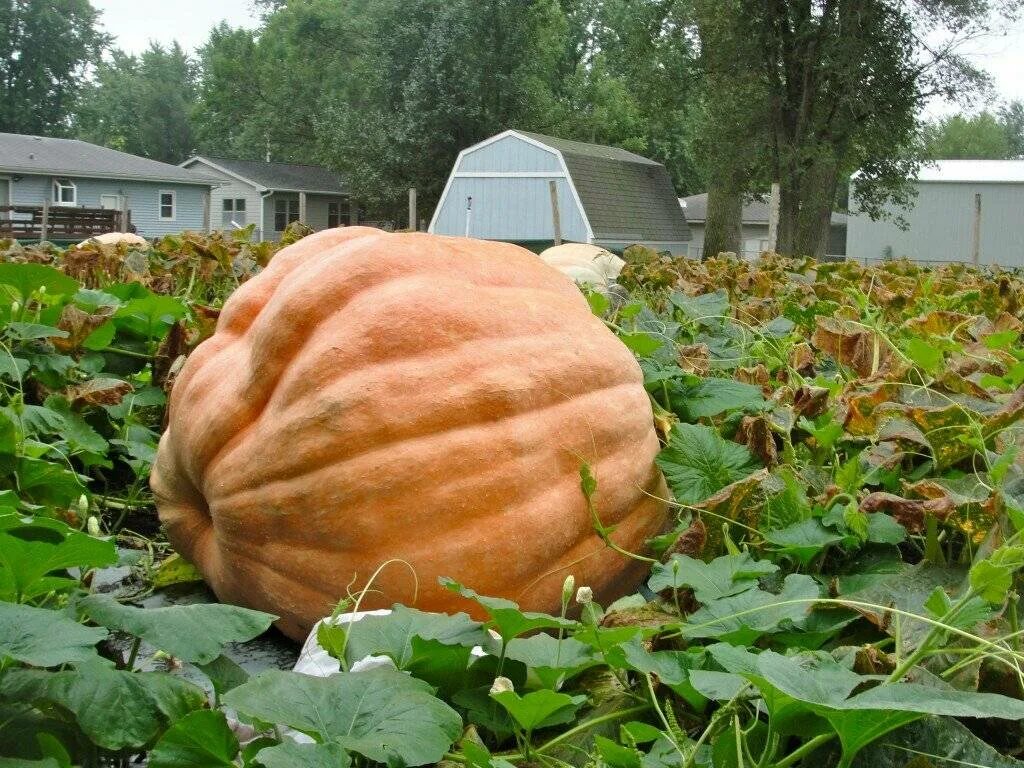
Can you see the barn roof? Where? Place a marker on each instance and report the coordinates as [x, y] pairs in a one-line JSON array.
[[29, 155], [755, 210], [625, 196]]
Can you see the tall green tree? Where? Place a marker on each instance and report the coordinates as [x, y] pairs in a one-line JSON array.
[[385, 91], [46, 49], [1012, 118], [843, 82], [141, 104]]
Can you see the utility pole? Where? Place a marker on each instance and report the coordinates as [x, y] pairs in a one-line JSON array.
[[412, 208]]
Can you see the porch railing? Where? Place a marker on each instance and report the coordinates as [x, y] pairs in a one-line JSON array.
[[52, 222]]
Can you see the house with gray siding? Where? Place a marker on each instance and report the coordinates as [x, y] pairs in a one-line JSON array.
[[500, 189], [273, 195], [161, 199], [755, 227], [968, 211]]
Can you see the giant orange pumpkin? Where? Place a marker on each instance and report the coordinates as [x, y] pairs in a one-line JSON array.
[[372, 396]]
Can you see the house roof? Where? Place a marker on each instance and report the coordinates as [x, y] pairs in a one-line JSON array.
[[69, 157], [625, 196], [755, 211], [278, 177], [993, 171]]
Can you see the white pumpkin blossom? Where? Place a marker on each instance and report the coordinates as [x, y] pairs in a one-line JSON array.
[[501, 685]]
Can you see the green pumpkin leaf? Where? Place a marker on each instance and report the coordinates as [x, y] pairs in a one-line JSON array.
[[45, 638], [932, 736], [698, 462], [713, 396], [927, 356], [804, 540], [201, 739], [31, 331], [641, 343], [507, 619], [292, 755], [224, 674], [744, 617], [552, 660], [706, 307], [539, 709], [34, 550], [723, 576], [195, 633], [116, 709], [391, 635], [26, 279], [384, 715]]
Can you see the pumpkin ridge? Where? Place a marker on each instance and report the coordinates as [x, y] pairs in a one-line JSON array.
[[309, 467], [496, 342], [270, 384], [561, 497]]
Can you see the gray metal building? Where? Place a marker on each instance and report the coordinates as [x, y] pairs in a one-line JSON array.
[[965, 209], [499, 189]]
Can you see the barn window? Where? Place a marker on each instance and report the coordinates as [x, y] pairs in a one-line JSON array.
[[64, 192], [285, 212], [168, 205], [234, 212]]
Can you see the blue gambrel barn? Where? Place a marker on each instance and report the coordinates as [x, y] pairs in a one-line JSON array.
[[499, 189]]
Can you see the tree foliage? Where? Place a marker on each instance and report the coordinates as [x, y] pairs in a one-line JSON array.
[[141, 105], [45, 51], [986, 135]]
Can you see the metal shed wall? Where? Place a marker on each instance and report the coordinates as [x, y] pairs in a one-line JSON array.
[[941, 226], [508, 181]]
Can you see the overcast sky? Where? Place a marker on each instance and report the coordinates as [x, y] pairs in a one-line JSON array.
[[135, 22]]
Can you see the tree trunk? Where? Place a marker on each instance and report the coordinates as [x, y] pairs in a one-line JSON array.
[[789, 208], [814, 219], [723, 228]]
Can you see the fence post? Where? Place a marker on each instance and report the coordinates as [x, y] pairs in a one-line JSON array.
[[976, 234], [44, 225], [773, 217], [125, 224], [556, 219]]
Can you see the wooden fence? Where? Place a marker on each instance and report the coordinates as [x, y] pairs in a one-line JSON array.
[[46, 222]]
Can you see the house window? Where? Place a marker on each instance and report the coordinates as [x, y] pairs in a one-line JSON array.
[[285, 212], [64, 192], [337, 213], [234, 212], [168, 204]]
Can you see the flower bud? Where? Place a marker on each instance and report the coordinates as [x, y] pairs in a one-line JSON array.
[[501, 685], [42, 289], [567, 588], [584, 595], [15, 307], [93, 526], [83, 505]]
